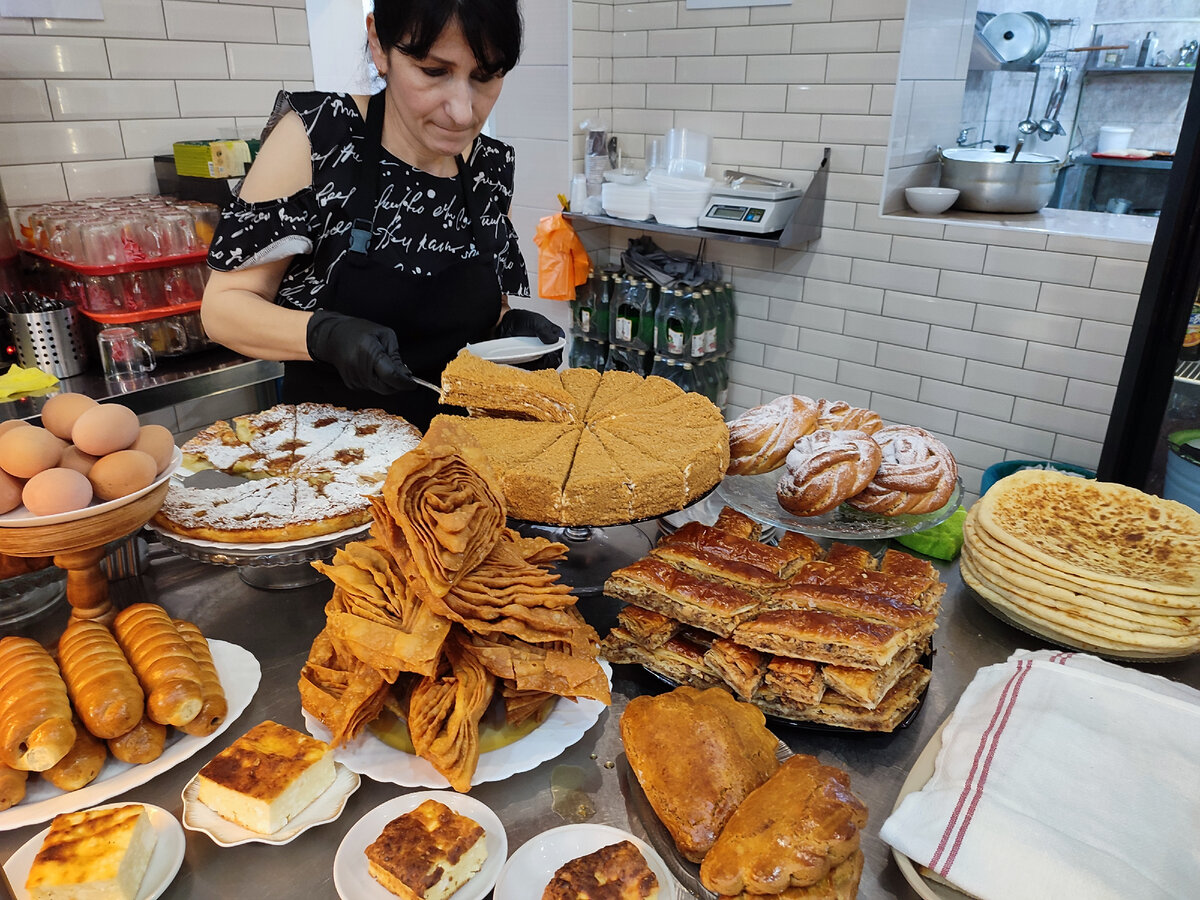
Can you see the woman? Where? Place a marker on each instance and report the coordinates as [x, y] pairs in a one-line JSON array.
[[370, 240]]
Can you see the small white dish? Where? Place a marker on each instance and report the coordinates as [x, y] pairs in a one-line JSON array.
[[352, 878], [930, 201], [325, 808], [519, 349], [534, 863], [164, 861]]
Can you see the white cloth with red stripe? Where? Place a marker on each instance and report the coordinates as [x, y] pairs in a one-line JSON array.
[[1062, 776]]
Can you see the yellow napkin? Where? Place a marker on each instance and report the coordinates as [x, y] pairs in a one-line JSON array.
[[18, 382]]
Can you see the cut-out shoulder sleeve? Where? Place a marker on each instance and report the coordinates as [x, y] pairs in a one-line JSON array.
[[250, 234]]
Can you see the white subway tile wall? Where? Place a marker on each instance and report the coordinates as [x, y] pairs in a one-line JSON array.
[[1007, 342], [87, 104]]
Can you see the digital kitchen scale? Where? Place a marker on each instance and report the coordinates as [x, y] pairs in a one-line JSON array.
[[751, 208]]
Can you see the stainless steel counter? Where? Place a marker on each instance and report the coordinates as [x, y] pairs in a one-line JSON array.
[[278, 628], [174, 380]]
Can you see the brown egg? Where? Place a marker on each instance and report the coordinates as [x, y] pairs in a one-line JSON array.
[[10, 492], [121, 473], [158, 441], [74, 458], [56, 491], [105, 428], [60, 412], [10, 424], [26, 451]]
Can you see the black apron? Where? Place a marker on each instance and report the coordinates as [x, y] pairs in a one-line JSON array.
[[434, 316]]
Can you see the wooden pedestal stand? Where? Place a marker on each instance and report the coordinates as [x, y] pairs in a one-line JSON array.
[[78, 547]]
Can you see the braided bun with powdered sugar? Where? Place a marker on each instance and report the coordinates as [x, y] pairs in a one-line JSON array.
[[825, 468], [761, 438], [917, 475], [839, 415]]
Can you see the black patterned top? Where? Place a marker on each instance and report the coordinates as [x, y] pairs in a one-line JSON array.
[[421, 225]]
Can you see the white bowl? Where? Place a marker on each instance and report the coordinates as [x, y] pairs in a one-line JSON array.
[[930, 200]]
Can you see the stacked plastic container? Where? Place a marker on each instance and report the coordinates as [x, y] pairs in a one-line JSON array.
[[134, 261]]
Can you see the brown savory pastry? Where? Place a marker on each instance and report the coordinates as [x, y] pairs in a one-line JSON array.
[[828, 637], [840, 884], [796, 682], [834, 709], [648, 628], [670, 738], [679, 659], [897, 562], [760, 438], [143, 743], [848, 601], [428, 853], [865, 688], [104, 691], [214, 706], [915, 589], [739, 667], [799, 546], [849, 556], [790, 832], [35, 714], [163, 661], [838, 415], [616, 872], [715, 548], [917, 474], [82, 763], [652, 583], [825, 469], [732, 521]]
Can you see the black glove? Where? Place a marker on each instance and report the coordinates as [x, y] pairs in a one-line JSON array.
[[366, 355], [517, 322]]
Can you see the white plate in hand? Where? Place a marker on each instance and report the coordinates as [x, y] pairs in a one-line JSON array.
[[519, 349], [352, 878], [165, 860]]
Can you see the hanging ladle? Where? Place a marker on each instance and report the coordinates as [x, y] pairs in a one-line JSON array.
[[1029, 124]]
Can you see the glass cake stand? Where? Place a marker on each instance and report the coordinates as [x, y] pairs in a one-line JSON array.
[[755, 496], [272, 566]]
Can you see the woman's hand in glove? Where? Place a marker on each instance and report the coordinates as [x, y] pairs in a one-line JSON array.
[[517, 322], [366, 355]]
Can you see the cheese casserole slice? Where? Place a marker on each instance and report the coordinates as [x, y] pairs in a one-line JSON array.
[[428, 853], [94, 854], [265, 777], [616, 872]]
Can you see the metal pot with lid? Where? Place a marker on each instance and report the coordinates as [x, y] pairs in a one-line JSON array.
[[994, 181]]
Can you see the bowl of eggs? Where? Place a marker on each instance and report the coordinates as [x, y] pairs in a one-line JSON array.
[[89, 475]]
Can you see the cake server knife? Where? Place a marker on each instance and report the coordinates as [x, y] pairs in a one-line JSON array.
[[426, 384]]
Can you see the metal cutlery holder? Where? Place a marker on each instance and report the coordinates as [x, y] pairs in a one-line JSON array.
[[52, 341]]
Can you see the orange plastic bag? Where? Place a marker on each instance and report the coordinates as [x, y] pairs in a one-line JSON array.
[[562, 261]]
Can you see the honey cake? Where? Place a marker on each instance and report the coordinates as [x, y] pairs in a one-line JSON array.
[[616, 872], [595, 489], [655, 484], [265, 777], [581, 384], [613, 392], [311, 470], [478, 384], [653, 584], [93, 854], [539, 481], [428, 853]]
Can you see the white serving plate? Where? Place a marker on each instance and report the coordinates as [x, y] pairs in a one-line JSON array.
[[164, 861], [534, 863], [239, 672], [519, 349], [566, 724], [23, 518], [354, 882], [326, 807]]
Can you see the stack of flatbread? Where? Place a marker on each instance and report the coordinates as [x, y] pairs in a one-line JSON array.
[[1088, 564], [442, 609]]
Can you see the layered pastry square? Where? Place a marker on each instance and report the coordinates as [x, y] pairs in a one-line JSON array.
[[94, 854], [428, 853]]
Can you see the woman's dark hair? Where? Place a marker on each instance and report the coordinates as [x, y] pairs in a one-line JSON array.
[[492, 28]]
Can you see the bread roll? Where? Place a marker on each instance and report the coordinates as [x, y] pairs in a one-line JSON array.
[[103, 689], [82, 763], [760, 438], [826, 468], [141, 744], [35, 714], [12, 786], [163, 662], [213, 709]]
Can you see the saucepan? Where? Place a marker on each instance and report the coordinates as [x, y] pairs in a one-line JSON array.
[[990, 181]]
